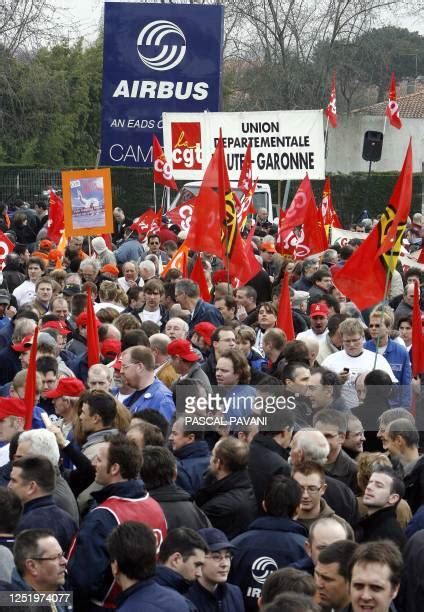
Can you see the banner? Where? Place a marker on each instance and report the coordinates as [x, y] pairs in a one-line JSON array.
[[157, 57], [285, 144], [87, 202]]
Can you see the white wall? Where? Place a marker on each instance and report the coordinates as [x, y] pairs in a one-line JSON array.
[[346, 141]]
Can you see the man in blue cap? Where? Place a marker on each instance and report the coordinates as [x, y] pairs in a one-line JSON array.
[[211, 591]]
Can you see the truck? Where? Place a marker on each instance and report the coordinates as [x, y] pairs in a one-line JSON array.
[[261, 198]]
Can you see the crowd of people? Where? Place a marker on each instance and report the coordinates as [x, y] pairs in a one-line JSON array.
[[115, 497]]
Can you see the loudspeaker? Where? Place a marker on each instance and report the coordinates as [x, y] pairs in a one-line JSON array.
[[373, 144]]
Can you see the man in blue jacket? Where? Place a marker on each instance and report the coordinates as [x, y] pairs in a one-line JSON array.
[[396, 354], [212, 592], [132, 551], [187, 294], [272, 541], [137, 371]]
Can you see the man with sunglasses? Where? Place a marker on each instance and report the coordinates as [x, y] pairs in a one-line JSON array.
[[41, 569], [153, 246]]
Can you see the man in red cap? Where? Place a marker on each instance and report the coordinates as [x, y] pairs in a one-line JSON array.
[[202, 337], [185, 361], [65, 397], [12, 421], [78, 344], [267, 254], [319, 321]]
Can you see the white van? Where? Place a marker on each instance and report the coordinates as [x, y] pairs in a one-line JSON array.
[[261, 197]]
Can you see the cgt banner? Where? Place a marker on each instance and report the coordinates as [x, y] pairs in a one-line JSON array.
[[285, 144], [157, 57]]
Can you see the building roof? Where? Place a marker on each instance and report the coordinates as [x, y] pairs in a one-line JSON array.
[[410, 106]]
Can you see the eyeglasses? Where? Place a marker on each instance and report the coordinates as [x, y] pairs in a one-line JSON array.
[[310, 489], [57, 557], [218, 557], [124, 367]]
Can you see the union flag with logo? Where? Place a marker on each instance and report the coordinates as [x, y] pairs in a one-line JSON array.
[[331, 110], [363, 277], [329, 215], [392, 110], [162, 174]]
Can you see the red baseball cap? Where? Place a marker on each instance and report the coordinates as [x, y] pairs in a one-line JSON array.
[[110, 347], [58, 326], [319, 310], [269, 247], [205, 329], [81, 320], [184, 349], [71, 387], [24, 345], [12, 406]]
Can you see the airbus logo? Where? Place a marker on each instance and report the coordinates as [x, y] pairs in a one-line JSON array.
[[153, 50], [262, 567]]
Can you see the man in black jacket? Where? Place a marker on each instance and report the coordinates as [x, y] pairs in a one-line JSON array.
[[181, 558], [382, 495], [158, 471], [227, 496], [268, 454]]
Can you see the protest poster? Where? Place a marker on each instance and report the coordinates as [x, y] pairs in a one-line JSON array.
[[87, 200]]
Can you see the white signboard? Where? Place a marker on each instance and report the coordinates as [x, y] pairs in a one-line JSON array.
[[285, 144]]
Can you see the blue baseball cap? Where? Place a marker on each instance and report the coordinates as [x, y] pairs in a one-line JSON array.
[[215, 539]]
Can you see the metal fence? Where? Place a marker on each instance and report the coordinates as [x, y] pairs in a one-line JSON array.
[[132, 189]]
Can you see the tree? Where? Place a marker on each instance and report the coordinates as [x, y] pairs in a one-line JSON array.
[[26, 23]]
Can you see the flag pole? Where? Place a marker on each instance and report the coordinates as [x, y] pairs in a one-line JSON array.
[[326, 139], [154, 195], [384, 126], [386, 291]]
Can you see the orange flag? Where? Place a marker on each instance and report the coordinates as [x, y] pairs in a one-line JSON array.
[[179, 261], [285, 317]]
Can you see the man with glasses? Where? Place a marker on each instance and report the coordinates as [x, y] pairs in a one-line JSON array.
[[153, 245], [354, 359], [41, 567], [138, 372], [380, 326], [311, 479], [211, 591]]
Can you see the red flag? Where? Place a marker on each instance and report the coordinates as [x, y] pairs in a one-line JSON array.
[[56, 221], [148, 223], [6, 247], [161, 169], [329, 215], [108, 241], [312, 238], [392, 110], [30, 385], [285, 317], [179, 261], [244, 205], [331, 110], [198, 276], [296, 213], [93, 345], [363, 277], [421, 257], [417, 335], [181, 215], [400, 202]]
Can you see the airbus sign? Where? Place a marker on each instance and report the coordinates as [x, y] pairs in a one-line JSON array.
[[157, 58]]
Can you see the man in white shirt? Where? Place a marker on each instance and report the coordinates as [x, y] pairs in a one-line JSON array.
[[130, 276], [25, 292], [354, 360], [319, 322], [12, 421]]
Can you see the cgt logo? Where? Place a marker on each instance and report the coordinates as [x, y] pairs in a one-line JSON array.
[[262, 567], [186, 146], [153, 51]]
